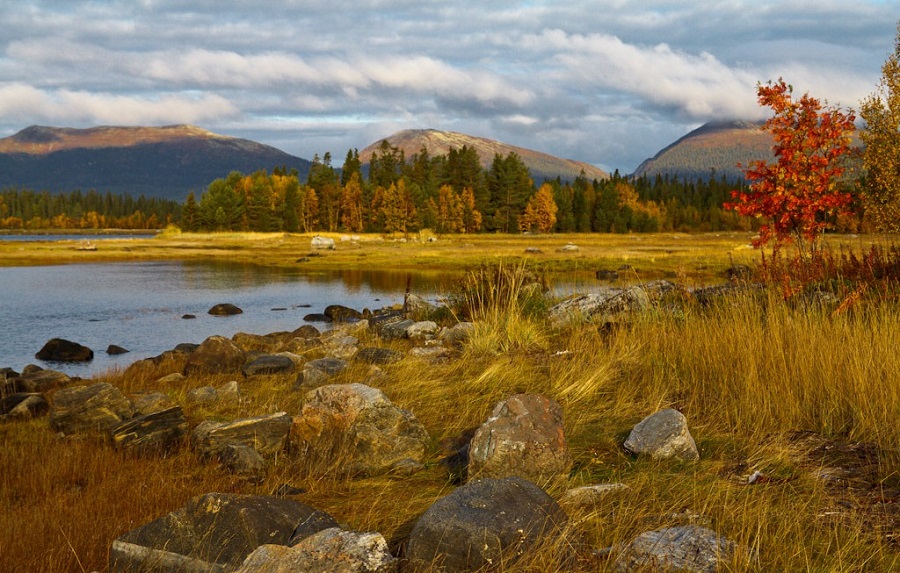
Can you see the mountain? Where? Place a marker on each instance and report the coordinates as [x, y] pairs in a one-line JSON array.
[[541, 165], [165, 162], [715, 146]]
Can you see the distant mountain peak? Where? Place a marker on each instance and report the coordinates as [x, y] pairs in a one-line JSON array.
[[39, 139]]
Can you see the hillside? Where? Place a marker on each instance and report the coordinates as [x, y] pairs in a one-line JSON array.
[[541, 165], [165, 162], [715, 146]]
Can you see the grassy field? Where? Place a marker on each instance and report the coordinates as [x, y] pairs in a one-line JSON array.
[[808, 395]]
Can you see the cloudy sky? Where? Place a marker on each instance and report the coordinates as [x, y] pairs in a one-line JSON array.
[[609, 82]]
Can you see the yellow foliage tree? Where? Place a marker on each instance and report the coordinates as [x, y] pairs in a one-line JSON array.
[[540, 212], [471, 215], [450, 210], [351, 205]]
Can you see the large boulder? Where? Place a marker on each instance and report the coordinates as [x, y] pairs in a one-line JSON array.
[[329, 551], [608, 303], [156, 432], [322, 243], [524, 437], [357, 425], [341, 313], [97, 407], [40, 380], [214, 532], [61, 350], [266, 434], [663, 435], [688, 548], [485, 522], [215, 355]]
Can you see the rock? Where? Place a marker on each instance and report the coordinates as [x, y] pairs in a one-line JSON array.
[[433, 353], [224, 309], [458, 333], [60, 350], [357, 425], [229, 391], [186, 347], [188, 316], [663, 435], [318, 372], [568, 248], [173, 378], [202, 395], [340, 346], [97, 407], [484, 523], [114, 350], [524, 437], [418, 306], [684, 548], [422, 330], [397, 329], [23, 406], [149, 403], [215, 355], [607, 275], [329, 551], [269, 364], [39, 381], [341, 313], [373, 355], [533, 251], [586, 497], [316, 317], [265, 434], [609, 303], [322, 243], [261, 342], [306, 331], [156, 432], [244, 461], [214, 532]]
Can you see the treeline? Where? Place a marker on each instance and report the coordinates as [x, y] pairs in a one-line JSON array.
[[452, 193], [25, 209]]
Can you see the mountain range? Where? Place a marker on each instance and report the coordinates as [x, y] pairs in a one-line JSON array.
[[168, 162]]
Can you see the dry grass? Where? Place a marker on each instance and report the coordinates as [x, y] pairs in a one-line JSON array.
[[789, 390]]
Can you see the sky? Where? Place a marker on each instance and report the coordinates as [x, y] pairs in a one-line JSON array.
[[608, 82]]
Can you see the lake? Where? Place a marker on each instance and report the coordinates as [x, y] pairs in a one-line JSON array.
[[139, 306]]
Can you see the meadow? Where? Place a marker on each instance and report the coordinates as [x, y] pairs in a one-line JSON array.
[[803, 389]]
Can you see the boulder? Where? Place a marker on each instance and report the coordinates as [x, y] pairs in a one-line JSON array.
[[318, 372], [23, 406], [244, 461], [173, 378], [149, 403], [663, 435], [458, 333], [568, 248], [214, 532], [265, 434], [684, 548], [306, 331], [316, 317], [61, 350], [417, 306], [424, 329], [331, 550], [114, 350], [224, 309], [340, 346], [396, 329], [372, 355], [433, 353], [482, 523], [97, 407], [261, 342], [585, 497], [322, 243], [40, 380], [341, 313], [215, 355], [608, 303], [269, 364], [524, 437], [156, 432], [202, 395], [357, 426]]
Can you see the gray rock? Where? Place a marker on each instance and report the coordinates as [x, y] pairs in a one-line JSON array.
[[114, 350], [372, 355], [173, 378], [422, 330], [397, 329], [329, 551], [458, 333], [224, 309], [608, 303], [156, 432], [330, 366], [149, 403], [202, 395], [214, 532], [23, 406], [318, 372], [61, 350], [229, 392], [663, 435], [430, 352], [40, 381], [359, 427], [484, 523], [322, 243], [688, 548], [586, 497], [417, 306], [97, 407], [342, 347], [215, 355], [341, 313], [568, 248], [524, 437], [269, 364], [244, 461], [266, 434]]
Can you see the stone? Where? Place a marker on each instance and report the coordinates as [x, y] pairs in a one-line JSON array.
[[153, 402], [422, 330], [316, 317], [690, 548], [585, 497], [397, 329], [306, 331], [224, 309], [61, 350], [358, 427], [114, 350], [318, 372], [214, 532], [433, 353], [663, 435], [202, 395], [229, 391], [607, 304], [244, 461], [266, 434], [418, 306], [568, 248], [524, 437], [484, 523], [319, 243], [173, 378], [188, 316], [157, 432], [97, 407], [269, 364], [331, 550], [261, 342], [342, 347], [215, 355], [23, 406], [341, 313], [372, 355], [533, 251], [458, 333], [40, 381]]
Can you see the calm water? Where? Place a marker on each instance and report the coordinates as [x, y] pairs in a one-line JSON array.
[[29, 238], [139, 305]]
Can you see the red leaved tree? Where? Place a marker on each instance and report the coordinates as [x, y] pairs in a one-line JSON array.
[[801, 190]]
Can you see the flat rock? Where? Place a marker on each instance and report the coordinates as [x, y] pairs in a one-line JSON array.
[[396, 329], [607, 303], [341, 313], [62, 350], [265, 434], [684, 548], [40, 380], [152, 402], [458, 333], [331, 550], [484, 522], [663, 435], [318, 372], [587, 496], [156, 432], [97, 407]]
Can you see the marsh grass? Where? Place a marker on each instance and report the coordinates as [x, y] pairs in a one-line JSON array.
[[757, 376]]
